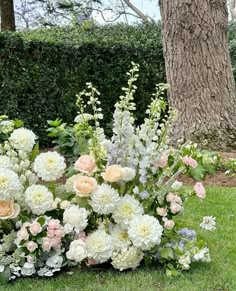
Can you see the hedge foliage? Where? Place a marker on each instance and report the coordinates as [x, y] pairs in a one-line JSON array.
[[41, 71]]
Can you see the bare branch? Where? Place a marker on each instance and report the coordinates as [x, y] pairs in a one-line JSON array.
[[117, 17], [137, 11]]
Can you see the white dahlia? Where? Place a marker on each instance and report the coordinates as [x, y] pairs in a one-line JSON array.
[[126, 209], [75, 218], [5, 162], [99, 246], [104, 199], [39, 199], [145, 232], [127, 258], [77, 251], [120, 237], [9, 184], [49, 166], [22, 139]]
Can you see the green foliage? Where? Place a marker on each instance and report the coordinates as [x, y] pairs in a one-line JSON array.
[[208, 161], [42, 70], [229, 166]]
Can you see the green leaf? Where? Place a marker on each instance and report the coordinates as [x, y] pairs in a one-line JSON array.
[[41, 220], [4, 276], [166, 253], [34, 152], [198, 172]]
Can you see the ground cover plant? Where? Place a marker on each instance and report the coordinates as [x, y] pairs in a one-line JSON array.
[[119, 206]]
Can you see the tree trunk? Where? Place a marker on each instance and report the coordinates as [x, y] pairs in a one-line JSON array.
[[199, 72], [7, 15]]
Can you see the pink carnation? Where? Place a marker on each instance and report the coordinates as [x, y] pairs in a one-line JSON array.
[[162, 162], [46, 244], [190, 162], [200, 190], [53, 224]]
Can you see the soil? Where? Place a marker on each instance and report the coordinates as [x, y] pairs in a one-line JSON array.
[[218, 179]]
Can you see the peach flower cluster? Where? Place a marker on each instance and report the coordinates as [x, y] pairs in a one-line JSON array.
[[175, 203], [55, 232], [86, 164], [9, 209]]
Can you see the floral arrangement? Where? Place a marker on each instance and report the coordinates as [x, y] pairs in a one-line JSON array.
[[118, 205]]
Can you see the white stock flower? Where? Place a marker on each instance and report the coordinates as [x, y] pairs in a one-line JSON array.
[[145, 232], [202, 256], [77, 251], [128, 174], [185, 261], [208, 223], [49, 166], [127, 258], [39, 199], [75, 217], [126, 209], [9, 184], [5, 162], [120, 237], [104, 199], [22, 139], [99, 246]]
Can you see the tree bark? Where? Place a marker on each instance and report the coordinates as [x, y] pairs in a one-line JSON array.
[[199, 72], [7, 15]]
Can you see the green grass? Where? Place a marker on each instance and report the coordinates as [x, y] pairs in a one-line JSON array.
[[220, 274]]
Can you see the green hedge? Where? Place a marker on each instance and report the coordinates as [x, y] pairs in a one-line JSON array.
[[41, 71]]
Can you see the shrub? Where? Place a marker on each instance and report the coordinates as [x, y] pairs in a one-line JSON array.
[[41, 71]]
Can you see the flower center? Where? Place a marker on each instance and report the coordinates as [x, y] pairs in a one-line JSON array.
[[105, 198], [38, 197], [144, 230], [3, 182], [127, 210]]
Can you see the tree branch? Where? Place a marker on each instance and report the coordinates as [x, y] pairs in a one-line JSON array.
[[233, 9], [137, 11]]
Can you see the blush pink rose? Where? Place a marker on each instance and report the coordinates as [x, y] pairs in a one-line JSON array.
[[162, 162], [31, 246], [53, 224], [51, 232], [46, 244], [190, 162], [85, 164], [178, 199], [113, 173], [175, 207], [200, 190], [60, 232], [35, 228], [56, 243], [161, 211], [169, 224], [84, 185], [22, 234], [170, 197], [30, 259]]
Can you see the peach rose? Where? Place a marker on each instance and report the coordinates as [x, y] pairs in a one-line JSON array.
[[85, 164], [9, 209], [169, 224], [31, 246], [161, 211], [113, 173], [83, 186], [175, 207], [190, 162], [35, 228]]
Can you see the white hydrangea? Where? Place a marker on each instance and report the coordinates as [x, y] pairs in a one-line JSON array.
[[39, 199], [202, 256], [9, 184], [5, 162], [127, 258], [185, 261], [22, 139], [120, 238], [145, 232], [126, 209], [104, 199], [77, 251], [128, 174], [99, 246], [76, 218], [49, 166]]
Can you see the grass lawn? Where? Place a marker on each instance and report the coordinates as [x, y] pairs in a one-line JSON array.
[[220, 274]]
